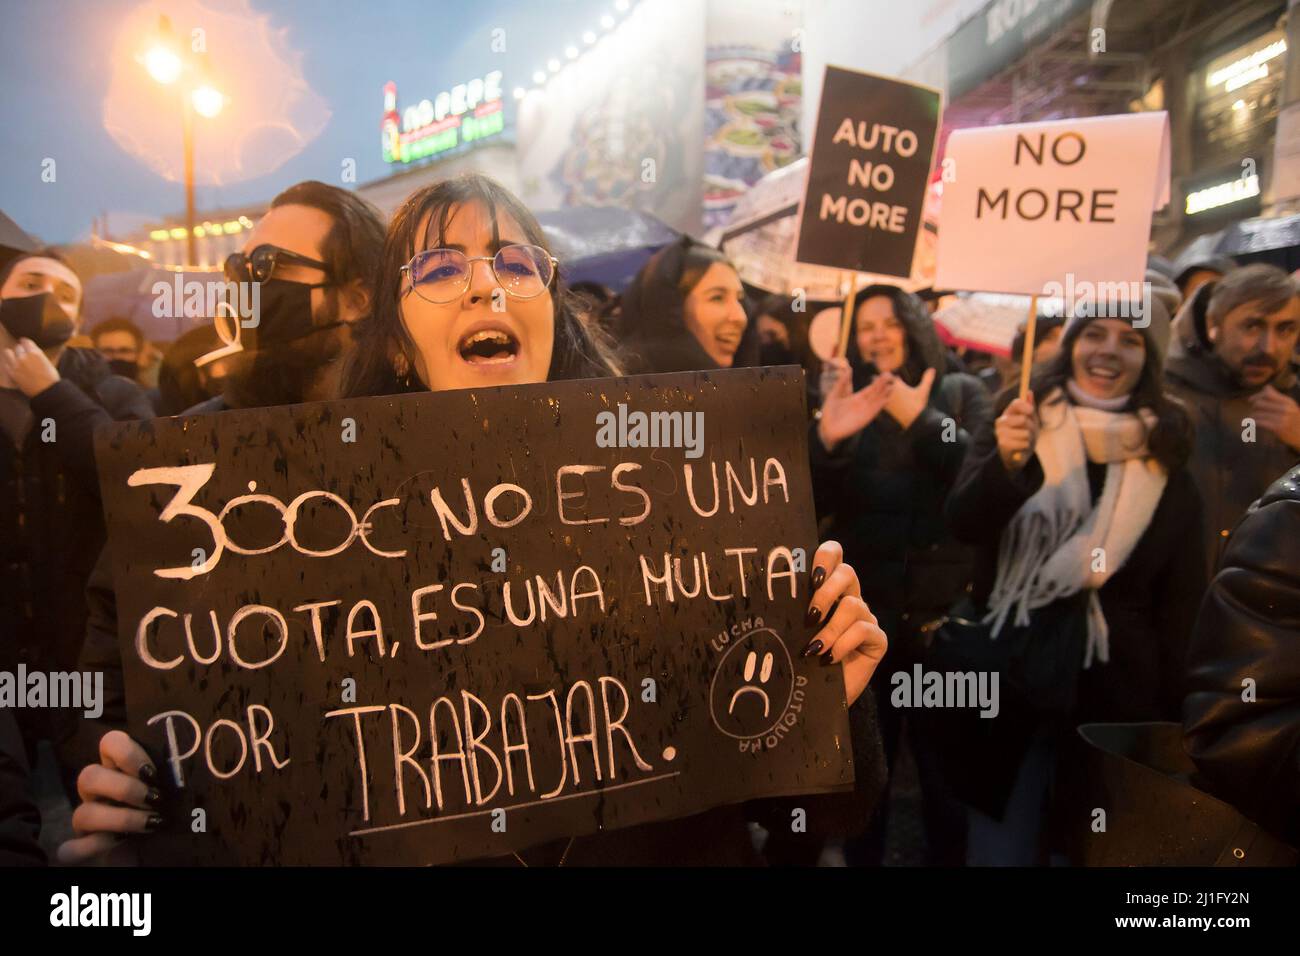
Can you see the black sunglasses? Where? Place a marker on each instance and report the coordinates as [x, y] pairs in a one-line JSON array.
[[259, 264]]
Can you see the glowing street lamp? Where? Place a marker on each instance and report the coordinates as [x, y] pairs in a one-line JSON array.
[[207, 101], [163, 64]]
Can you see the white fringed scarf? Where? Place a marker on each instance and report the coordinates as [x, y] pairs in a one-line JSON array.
[[1058, 543]]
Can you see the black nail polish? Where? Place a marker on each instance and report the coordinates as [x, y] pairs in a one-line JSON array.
[[812, 617], [148, 773], [814, 648], [154, 822], [153, 797], [818, 576]]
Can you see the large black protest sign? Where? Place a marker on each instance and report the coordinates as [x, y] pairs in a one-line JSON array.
[[445, 626], [868, 174]]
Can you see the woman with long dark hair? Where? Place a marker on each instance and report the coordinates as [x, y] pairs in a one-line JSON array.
[[1090, 577], [685, 311], [889, 443], [470, 296]]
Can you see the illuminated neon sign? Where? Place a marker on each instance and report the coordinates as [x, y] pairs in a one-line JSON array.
[[464, 114], [1222, 194]]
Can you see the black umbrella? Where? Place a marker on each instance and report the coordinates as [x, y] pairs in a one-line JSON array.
[[13, 240], [604, 244]]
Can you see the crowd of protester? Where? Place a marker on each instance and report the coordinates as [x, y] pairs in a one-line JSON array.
[[1078, 540]]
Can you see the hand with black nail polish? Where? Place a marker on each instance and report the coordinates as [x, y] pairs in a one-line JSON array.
[[849, 633], [118, 797]]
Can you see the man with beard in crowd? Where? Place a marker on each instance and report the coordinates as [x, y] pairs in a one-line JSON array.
[[314, 255], [1230, 365]]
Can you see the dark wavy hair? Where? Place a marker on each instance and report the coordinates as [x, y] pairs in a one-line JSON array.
[[579, 351], [911, 313], [1170, 439]]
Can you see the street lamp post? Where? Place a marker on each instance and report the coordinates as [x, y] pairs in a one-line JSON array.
[[165, 66], [191, 243]]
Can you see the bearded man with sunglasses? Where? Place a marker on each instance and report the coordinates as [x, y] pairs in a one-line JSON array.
[[312, 259], [314, 256]]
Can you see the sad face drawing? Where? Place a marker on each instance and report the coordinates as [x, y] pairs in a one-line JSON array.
[[752, 686]]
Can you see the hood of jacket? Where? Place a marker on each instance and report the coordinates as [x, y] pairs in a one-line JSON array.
[[651, 330]]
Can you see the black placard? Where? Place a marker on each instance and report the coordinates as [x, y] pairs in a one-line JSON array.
[[868, 173], [684, 704]]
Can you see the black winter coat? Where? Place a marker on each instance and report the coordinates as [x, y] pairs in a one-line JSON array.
[[883, 491], [51, 525], [1248, 750], [1149, 604], [20, 821]]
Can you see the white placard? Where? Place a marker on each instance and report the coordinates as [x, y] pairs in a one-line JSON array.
[[1027, 205]]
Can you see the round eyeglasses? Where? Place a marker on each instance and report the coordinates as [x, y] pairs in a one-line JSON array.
[[443, 275]]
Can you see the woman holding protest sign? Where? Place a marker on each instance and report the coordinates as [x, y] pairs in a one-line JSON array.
[[469, 296], [884, 460], [1089, 579]]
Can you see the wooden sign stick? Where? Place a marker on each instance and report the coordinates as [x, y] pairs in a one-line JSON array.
[[1027, 359], [846, 318]]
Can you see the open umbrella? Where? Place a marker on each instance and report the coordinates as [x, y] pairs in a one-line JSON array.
[[604, 244], [13, 240], [760, 238], [131, 295], [983, 321], [1250, 240]]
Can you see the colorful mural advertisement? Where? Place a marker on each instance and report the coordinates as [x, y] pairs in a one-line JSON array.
[[623, 126], [754, 99]]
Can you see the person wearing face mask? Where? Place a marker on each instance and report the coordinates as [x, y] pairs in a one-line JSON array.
[[51, 527], [314, 255], [469, 296], [1089, 574], [312, 258], [684, 312], [1230, 365], [121, 343], [884, 459]]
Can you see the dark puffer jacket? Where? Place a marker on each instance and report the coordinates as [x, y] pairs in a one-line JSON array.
[[883, 490], [51, 525], [1229, 471], [1247, 745]]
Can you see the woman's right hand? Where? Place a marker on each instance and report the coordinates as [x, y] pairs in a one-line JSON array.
[[1017, 433], [118, 797], [846, 412]]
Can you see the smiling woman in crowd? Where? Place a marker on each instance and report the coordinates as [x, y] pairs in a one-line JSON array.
[[469, 296], [685, 311], [1090, 576]]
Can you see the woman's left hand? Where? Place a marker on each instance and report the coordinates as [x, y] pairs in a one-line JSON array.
[[850, 635]]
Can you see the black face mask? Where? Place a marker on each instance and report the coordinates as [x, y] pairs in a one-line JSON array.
[[37, 317], [284, 314], [124, 367], [286, 352]]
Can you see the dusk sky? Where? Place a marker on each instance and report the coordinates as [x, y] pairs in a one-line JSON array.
[[59, 60]]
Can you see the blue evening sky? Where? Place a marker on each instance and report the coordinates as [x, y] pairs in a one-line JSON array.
[[54, 56]]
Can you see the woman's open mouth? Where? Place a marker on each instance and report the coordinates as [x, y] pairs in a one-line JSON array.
[[1103, 373], [488, 346]]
